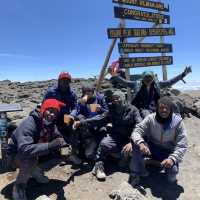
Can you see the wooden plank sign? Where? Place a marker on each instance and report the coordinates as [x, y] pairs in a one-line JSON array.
[[145, 4], [144, 48], [145, 61], [141, 15], [139, 32]]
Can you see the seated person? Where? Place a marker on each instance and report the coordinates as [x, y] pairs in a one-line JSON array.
[[147, 95], [36, 136], [63, 92], [90, 105], [122, 118], [162, 137]]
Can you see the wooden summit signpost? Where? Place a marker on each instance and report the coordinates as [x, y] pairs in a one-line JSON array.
[[139, 32], [157, 18], [145, 4], [145, 61], [126, 13], [144, 48]]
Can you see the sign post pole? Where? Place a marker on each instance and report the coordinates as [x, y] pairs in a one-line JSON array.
[[127, 71], [164, 67], [103, 70]]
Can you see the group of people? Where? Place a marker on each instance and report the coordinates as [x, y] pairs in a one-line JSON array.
[[97, 127]]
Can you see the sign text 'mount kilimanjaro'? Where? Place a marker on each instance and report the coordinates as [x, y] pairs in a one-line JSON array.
[[144, 48], [139, 32], [145, 61], [145, 4], [141, 15]]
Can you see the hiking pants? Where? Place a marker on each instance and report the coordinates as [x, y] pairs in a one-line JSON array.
[[137, 164], [110, 145], [26, 168]]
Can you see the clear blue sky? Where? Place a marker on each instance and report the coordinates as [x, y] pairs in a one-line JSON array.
[[40, 38]]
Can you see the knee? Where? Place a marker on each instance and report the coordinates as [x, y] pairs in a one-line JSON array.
[[105, 145], [174, 169]]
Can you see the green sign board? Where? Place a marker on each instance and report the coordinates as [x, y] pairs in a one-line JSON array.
[[145, 4], [139, 32], [145, 61], [144, 48], [141, 15]]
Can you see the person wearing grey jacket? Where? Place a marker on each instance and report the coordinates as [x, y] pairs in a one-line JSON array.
[[160, 136]]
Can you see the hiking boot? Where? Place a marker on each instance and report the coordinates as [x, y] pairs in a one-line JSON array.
[[134, 179], [74, 159], [171, 178], [39, 176], [19, 192], [98, 171]]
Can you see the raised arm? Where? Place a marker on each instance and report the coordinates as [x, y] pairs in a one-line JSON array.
[[124, 82], [177, 78]]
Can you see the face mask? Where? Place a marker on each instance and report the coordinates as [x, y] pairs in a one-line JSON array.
[[117, 107], [48, 125]]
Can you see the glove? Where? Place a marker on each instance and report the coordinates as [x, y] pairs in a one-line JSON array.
[[56, 143], [187, 71]]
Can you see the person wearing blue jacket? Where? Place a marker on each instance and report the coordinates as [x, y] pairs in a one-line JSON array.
[[63, 92], [91, 104], [36, 136]]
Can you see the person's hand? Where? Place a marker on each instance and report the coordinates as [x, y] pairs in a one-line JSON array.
[[98, 108], [84, 99], [113, 70], [187, 70], [144, 149], [76, 125], [68, 119], [56, 143], [127, 149], [167, 163]]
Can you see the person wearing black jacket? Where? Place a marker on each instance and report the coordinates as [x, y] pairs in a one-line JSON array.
[[121, 118], [148, 94], [37, 135]]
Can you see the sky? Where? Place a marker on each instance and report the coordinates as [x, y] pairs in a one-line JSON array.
[[41, 38]]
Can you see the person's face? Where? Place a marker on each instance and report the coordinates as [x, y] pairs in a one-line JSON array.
[[148, 80], [89, 94], [64, 84], [50, 114], [163, 110], [116, 100]]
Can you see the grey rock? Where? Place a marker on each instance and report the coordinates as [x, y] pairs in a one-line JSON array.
[[126, 192], [43, 197]]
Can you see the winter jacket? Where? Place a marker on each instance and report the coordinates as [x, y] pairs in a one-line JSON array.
[[85, 111], [170, 136], [122, 123], [144, 99], [25, 139], [70, 99]]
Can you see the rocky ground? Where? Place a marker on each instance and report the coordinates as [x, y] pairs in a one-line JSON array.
[[68, 182]]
